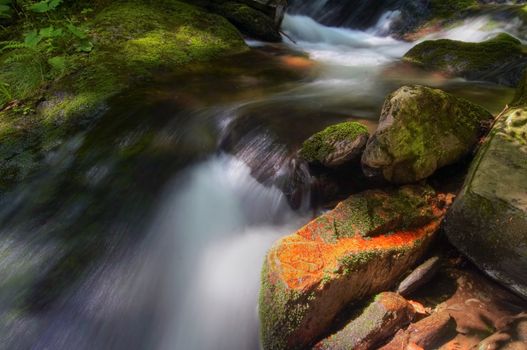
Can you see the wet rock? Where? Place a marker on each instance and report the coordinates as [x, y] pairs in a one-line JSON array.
[[252, 21], [511, 335], [520, 97], [421, 130], [360, 248], [427, 333], [336, 145], [478, 305], [420, 276], [388, 313], [488, 221], [499, 60]]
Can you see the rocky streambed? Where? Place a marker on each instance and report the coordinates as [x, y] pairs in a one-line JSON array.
[[380, 180], [314, 280]]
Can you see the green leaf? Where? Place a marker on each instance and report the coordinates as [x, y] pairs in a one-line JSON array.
[[53, 4], [32, 39], [85, 46], [5, 11], [78, 32], [58, 63], [50, 32], [40, 7], [5, 2]]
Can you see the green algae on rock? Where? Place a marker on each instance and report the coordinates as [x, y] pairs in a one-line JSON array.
[[421, 130], [447, 8], [335, 145], [520, 96], [388, 313], [500, 59], [488, 222], [132, 40], [341, 257]]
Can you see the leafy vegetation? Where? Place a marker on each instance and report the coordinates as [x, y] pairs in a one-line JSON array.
[[43, 52], [61, 63]]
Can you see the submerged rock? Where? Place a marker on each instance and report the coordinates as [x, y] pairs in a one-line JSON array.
[[336, 145], [360, 248], [388, 313], [421, 130], [488, 221], [251, 21], [500, 60]]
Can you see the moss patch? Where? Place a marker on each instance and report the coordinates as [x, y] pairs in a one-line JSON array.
[[320, 145], [471, 60], [132, 41], [447, 8]]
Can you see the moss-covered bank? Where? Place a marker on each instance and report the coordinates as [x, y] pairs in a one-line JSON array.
[[132, 41], [500, 59]]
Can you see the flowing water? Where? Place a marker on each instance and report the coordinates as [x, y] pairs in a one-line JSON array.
[[148, 231]]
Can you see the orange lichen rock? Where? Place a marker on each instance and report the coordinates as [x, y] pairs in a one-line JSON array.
[[360, 248]]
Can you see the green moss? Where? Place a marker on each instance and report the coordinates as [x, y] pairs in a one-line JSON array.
[[460, 57], [447, 8], [321, 144], [520, 97], [133, 40], [430, 129], [280, 310]]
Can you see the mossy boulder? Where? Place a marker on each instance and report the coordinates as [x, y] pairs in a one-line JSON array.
[[361, 247], [336, 145], [132, 41], [488, 222], [421, 130], [520, 97], [500, 60], [250, 21], [388, 313], [447, 8]]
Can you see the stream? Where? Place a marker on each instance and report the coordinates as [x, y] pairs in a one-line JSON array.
[[148, 231]]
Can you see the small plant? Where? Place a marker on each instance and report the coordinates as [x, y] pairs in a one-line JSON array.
[[5, 9], [44, 6], [45, 51]]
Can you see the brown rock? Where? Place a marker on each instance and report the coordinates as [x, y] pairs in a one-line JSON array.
[[427, 333], [382, 318], [420, 276], [360, 248]]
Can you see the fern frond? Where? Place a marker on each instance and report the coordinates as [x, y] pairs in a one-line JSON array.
[[12, 45]]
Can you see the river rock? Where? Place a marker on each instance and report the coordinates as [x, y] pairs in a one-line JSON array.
[[488, 222], [254, 18], [499, 60], [388, 313], [336, 145], [428, 333], [421, 130], [361, 247], [420, 276], [520, 97]]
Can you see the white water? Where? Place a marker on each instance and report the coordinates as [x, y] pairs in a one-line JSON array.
[[226, 221], [348, 47]]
